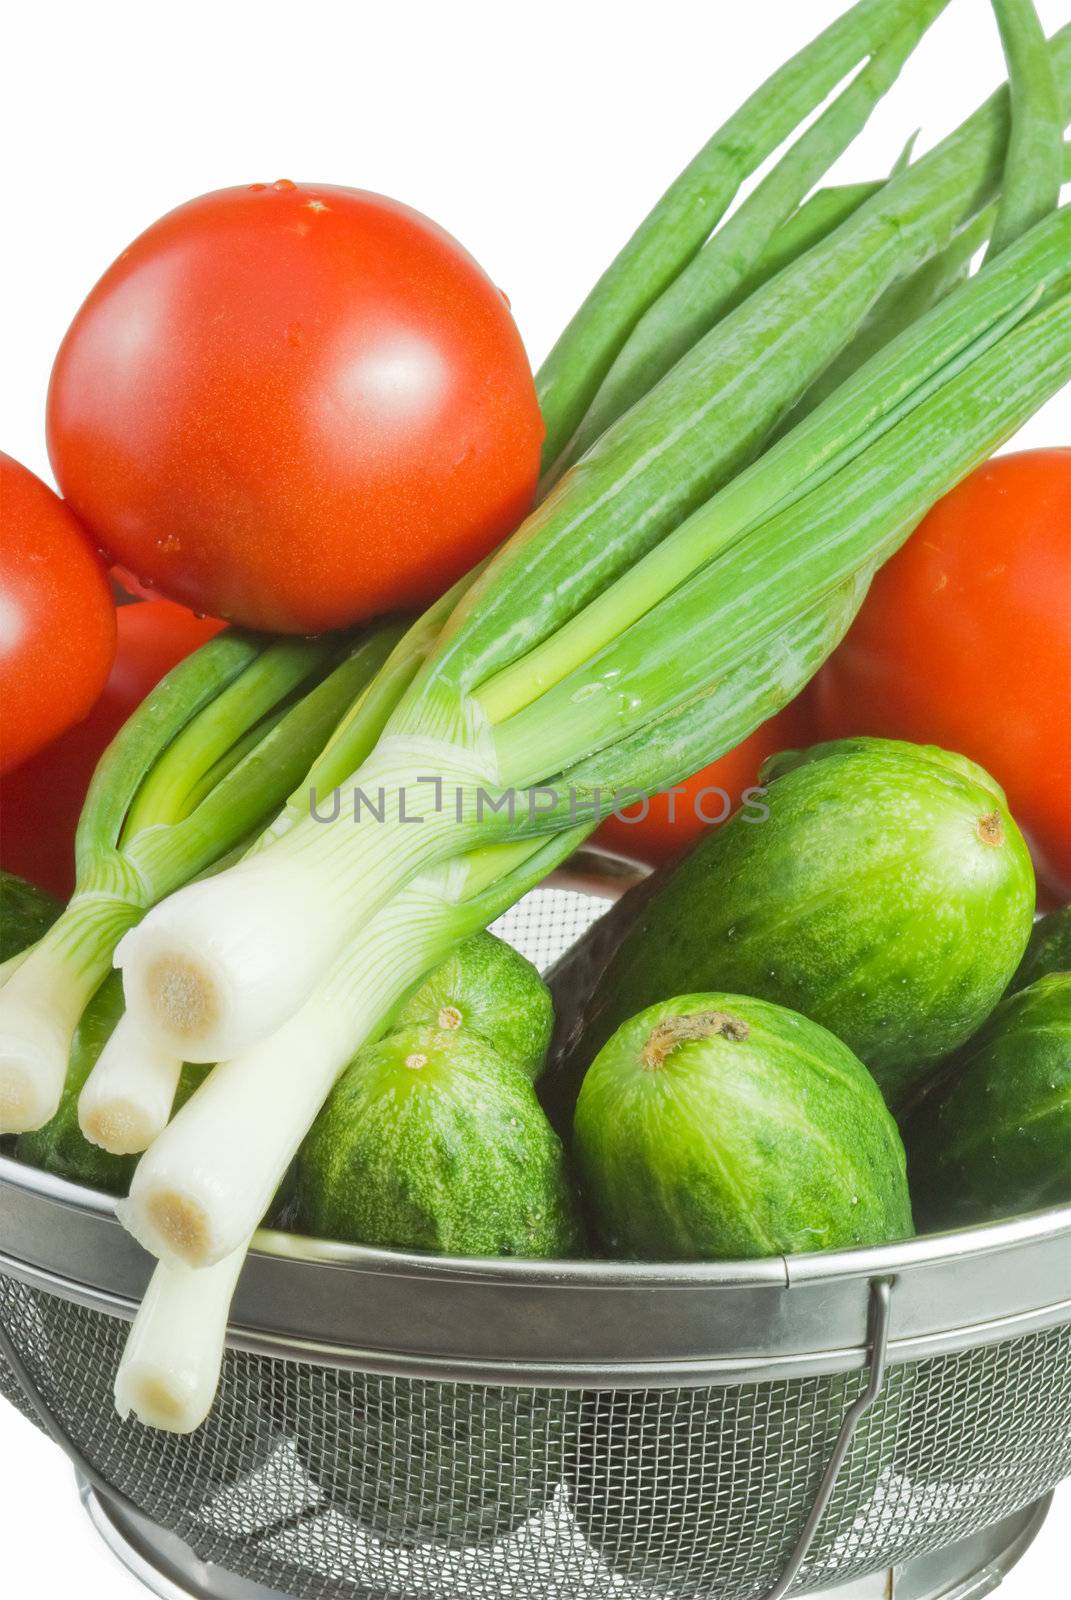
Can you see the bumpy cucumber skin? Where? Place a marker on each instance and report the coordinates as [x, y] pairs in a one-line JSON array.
[[60, 1146], [764, 1137], [26, 913], [994, 1139], [1049, 950], [490, 989], [431, 1141], [870, 900]]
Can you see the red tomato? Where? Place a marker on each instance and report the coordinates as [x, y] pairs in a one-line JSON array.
[[295, 406], [128, 584], [676, 819], [57, 620], [965, 641], [41, 801]]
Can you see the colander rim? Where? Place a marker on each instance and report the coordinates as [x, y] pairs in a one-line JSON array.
[[953, 1245]]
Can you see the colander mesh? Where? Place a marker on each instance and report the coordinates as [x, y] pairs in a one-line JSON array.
[[546, 922], [323, 1483], [328, 1484]]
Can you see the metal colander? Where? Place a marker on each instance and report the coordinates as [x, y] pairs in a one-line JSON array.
[[394, 1426]]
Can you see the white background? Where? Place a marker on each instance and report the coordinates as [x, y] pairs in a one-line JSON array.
[[538, 134]]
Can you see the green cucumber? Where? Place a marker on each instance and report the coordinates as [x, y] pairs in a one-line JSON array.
[[785, 761], [415, 1462], [489, 989], [716, 1127], [26, 912], [888, 895], [60, 1146], [1049, 950], [431, 1141], [994, 1138]]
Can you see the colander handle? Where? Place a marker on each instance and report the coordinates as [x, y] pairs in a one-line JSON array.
[[881, 1290]]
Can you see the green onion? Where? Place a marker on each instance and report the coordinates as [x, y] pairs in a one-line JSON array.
[[170, 1369], [147, 827], [42, 1001], [905, 303], [171, 1364], [762, 683], [207, 1180], [708, 417], [704, 726], [854, 412], [165, 793], [1033, 169], [819, 216], [899, 308], [187, 689], [128, 1097], [856, 516], [210, 999], [398, 655], [709, 284], [693, 205]]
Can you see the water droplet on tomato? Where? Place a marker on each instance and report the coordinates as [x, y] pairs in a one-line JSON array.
[[283, 184], [256, 187]]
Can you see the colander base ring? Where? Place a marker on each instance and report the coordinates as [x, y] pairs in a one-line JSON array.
[[967, 1570], [163, 1563]]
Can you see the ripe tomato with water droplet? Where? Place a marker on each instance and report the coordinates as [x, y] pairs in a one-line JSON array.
[[296, 406]]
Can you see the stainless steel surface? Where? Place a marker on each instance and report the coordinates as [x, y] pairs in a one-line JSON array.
[[160, 1561], [881, 1300], [571, 1322], [393, 1426], [966, 1571], [973, 1567]]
